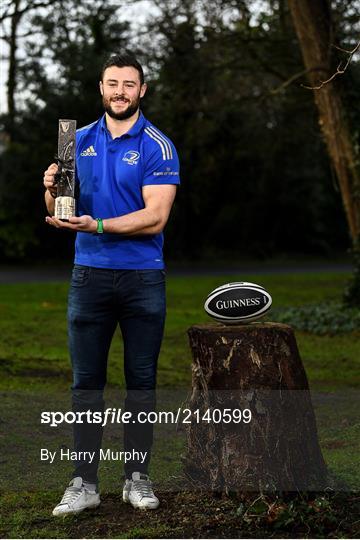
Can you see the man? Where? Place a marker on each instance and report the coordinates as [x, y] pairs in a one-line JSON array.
[[127, 171]]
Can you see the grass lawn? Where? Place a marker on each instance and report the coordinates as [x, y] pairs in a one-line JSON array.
[[36, 375]]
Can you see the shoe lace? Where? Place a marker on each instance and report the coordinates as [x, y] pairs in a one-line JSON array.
[[143, 488], [70, 495]]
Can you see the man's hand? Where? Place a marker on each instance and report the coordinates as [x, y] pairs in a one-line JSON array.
[[81, 224], [150, 220], [49, 179]]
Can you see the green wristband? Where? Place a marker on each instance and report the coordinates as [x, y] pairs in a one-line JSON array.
[[100, 226]]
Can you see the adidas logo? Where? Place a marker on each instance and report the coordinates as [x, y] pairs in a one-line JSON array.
[[89, 152]]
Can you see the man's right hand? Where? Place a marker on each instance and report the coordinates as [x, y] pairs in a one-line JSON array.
[[49, 180]]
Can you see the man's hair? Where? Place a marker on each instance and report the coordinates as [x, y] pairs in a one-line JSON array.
[[123, 60]]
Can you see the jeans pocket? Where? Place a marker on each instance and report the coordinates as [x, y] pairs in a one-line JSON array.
[[80, 276], [151, 277]]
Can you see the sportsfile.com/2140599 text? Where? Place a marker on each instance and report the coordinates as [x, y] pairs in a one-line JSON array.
[[179, 416]]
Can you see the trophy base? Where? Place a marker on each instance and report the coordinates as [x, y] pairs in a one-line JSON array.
[[64, 208]]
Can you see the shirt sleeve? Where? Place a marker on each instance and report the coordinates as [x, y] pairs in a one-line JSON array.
[[162, 167]]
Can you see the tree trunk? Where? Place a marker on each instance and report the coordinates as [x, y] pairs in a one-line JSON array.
[[312, 21], [11, 82], [254, 367]]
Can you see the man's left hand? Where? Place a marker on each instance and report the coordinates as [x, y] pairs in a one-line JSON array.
[[82, 223]]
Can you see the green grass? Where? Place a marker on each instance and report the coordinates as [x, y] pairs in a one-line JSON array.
[[35, 370], [33, 344]]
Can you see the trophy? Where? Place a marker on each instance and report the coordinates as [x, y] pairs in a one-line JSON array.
[[65, 177]]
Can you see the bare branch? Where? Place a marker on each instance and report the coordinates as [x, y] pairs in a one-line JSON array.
[[339, 70], [6, 13], [27, 8], [3, 34], [352, 52], [290, 80], [30, 33]]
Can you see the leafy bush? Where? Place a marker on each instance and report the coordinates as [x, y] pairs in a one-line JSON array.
[[327, 318]]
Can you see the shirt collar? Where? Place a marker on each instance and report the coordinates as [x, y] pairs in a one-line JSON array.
[[133, 131]]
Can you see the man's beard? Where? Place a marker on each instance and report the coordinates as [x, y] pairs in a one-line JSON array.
[[123, 115]]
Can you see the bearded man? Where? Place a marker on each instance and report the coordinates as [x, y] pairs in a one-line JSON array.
[[127, 172]]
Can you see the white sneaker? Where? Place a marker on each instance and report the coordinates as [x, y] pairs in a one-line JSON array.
[[76, 498], [139, 493]]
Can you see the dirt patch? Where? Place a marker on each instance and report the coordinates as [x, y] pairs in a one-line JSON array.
[[190, 514], [34, 368], [45, 373], [203, 515], [334, 445]]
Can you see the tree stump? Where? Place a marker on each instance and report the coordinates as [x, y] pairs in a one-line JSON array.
[[253, 367]]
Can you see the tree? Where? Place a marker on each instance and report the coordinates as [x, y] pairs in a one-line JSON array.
[[58, 74], [13, 13], [248, 186], [317, 35], [250, 182]]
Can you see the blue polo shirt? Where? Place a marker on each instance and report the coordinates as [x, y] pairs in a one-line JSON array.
[[111, 174]]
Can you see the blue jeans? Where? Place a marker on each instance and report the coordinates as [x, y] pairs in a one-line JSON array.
[[99, 300]]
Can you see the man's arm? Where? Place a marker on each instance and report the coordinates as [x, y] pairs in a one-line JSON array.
[[152, 219]]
